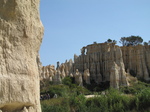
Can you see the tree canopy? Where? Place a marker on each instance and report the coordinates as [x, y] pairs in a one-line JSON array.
[[131, 40], [111, 41], [147, 43]]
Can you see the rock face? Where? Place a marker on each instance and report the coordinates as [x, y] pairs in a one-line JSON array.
[[109, 63], [95, 64], [86, 76], [100, 59], [78, 78], [20, 38], [137, 61], [118, 77]]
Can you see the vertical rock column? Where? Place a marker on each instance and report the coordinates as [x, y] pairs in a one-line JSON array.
[[136, 60], [20, 38]]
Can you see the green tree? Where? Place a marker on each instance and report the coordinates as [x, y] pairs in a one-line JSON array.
[[111, 41], [131, 40], [123, 41], [145, 43]]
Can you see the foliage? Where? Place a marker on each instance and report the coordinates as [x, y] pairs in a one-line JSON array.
[[72, 98], [111, 41], [94, 87], [117, 101], [113, 101], [143, 99], [94, 42], [136, 88], [67, 81], [147, 43], [60, 90], [131, 40], [55, 105], [77, 103], [81, 90]]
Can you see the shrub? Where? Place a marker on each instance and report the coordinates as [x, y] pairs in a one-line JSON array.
[[67, 81], [55, 105], [128, 90], [77, 103], [60, 90], [143, 99]]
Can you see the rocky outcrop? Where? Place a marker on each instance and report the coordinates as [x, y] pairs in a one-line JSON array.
[[95, 65], [117, 77], [99, 59], [20, 38], [47, 72], [86, 76], [107, 62], [78, 78], [137, 61]]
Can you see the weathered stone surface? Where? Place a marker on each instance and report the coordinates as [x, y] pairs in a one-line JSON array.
[[96, 65], [78, 78], [118, 77], [57, 78], [86, 76], [108, 62], [20, 38], [99, 59], [137, 61]]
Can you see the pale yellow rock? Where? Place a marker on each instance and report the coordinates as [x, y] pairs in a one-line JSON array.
[[57, 78], [99, 59], [86, 76], [24, 109], [78, 78], [118, 77], [20, 38]]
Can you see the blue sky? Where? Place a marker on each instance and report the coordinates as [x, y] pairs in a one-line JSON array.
[[71, 24]]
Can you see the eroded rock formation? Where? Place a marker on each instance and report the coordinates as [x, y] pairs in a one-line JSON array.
[[109, 63], [86, 76], [78, 78], [20, 38], [137, 60], [95, 64], [100, 59]]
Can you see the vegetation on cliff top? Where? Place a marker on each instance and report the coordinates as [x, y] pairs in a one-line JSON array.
[[129, 41]]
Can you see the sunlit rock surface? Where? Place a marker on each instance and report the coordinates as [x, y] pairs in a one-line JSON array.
[[20, 38]]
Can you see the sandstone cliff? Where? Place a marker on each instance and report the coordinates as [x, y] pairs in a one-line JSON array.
[[137, 60], [20, 38], [95, 64], [108, 63], [100, 59]]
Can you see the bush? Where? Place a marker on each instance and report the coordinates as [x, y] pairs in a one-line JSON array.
[[143, 99], [128, 90], [72, 98], [114, 101], [81, 90], [67, 81], [117, 101], [60, 90], [77, 103], [55, 105]]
